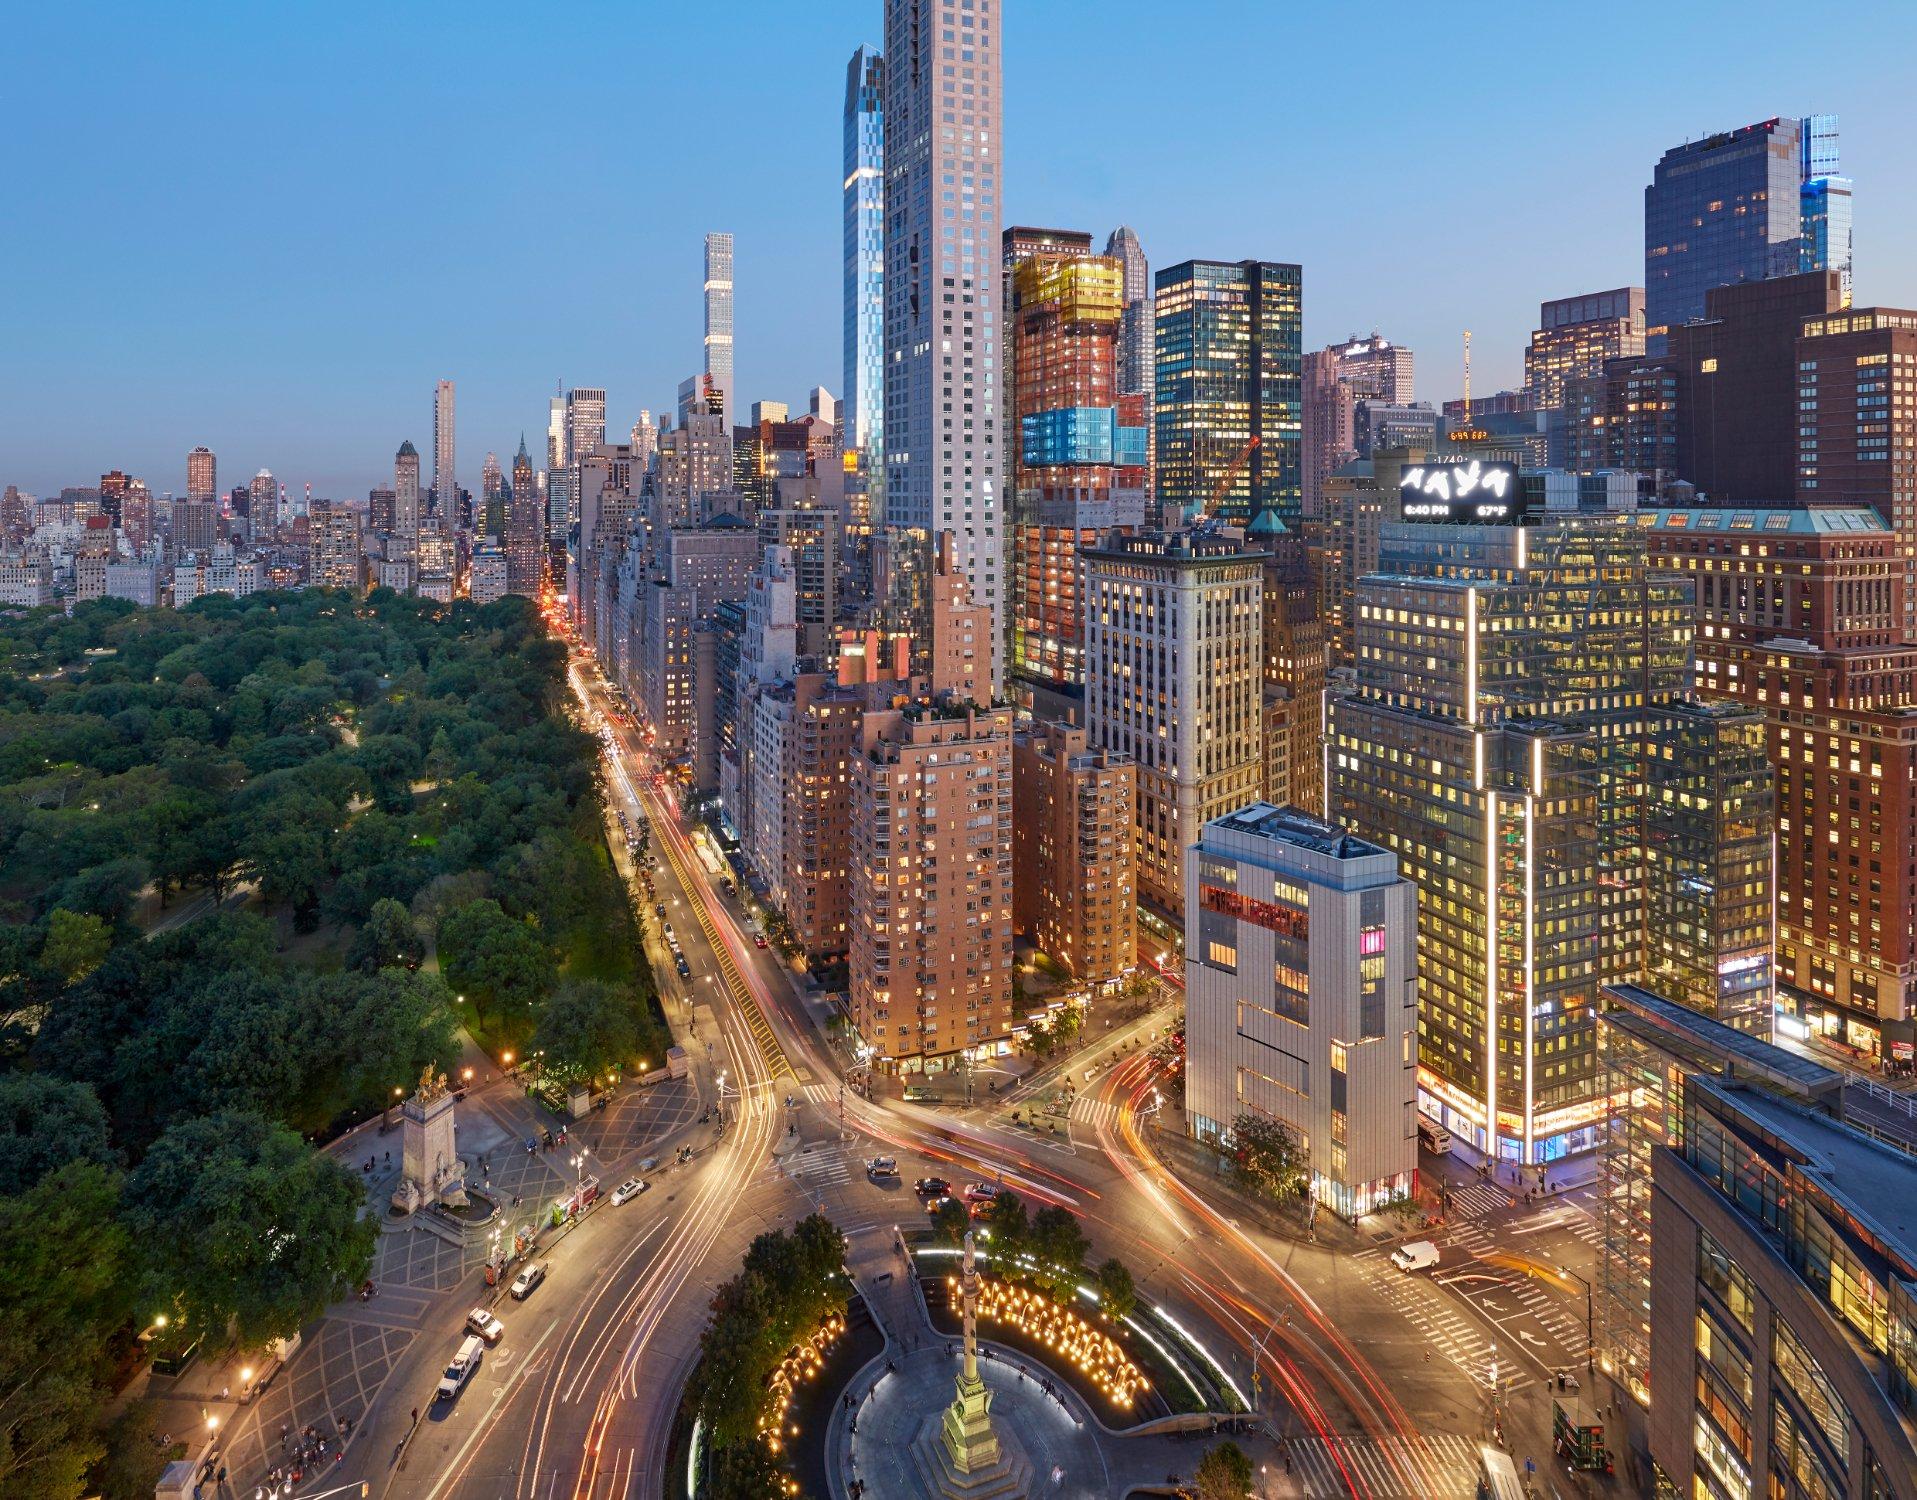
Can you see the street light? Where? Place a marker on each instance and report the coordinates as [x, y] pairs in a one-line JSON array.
[[1590, 1334]]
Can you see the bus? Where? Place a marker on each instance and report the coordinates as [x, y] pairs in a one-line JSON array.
[[1434, 1138], [1497, 1475], [918, 1093]]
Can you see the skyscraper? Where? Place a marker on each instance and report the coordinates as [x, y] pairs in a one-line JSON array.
[[942, 463], [864, 425], [585, 423], [718, 301], [202, 480], [1739, 206], [1335, 381], [1575, 335], [445, 483], [525, 549], [1228, 407], [556, 455], [263, 505], [645, 439], [1134, 376], [406, 499]]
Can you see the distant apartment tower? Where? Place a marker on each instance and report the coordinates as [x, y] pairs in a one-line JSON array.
[[525, 540], [445, 480], [1174, 656], [334, 552], [406, 514], [585, 423], [195, 526], [1073, 894], [1576, 335], [202, 477], [1301, 945], [1334, 383], [718, 318], [263, 505], [489, 578], [1136, 373], [943, 446], [1228, 404], [1742, 205], [864, 131]]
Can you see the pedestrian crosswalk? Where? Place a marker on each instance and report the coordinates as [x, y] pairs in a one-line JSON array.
[[1444, 1326], [1438, 1467], [1479, 1198], [826, 1094], [1093, 1113], [820, 1166]]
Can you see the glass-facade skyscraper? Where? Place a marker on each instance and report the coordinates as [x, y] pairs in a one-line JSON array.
[[1228, 409], [1743, 205], [863, 423]]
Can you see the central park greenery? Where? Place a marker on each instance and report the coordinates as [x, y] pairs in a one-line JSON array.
[[395, 789]]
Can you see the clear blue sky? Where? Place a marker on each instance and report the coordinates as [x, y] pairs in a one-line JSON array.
[[271, 227]]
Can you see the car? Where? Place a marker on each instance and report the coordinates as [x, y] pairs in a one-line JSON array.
[[728, 887], [933, 1205], [646, 1164], [482, 1322], [980, 1192], [758, 939], [1418, 1255], [685, 969], [659, 910], [527, 1279], [632, 1187], [883, 1169], [667, 930], [932, 1187]]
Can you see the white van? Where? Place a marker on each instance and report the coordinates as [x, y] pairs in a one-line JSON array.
[[461, 1369], [1434, 1138], [1419, 1255]]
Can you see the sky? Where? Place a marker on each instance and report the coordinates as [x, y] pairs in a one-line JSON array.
[[270, 228]]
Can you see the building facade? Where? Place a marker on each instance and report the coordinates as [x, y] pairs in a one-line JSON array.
[[1301, 999], [1228, 402], [1073, 894], [202, 474], [1174, 681], [1336, 381], [864, 141], [944, 468], [445, 471], [717, 292], [1576, 335], [525, 540], [1136, 372]]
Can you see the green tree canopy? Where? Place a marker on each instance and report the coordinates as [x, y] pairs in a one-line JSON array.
[[493, 959], [1117, 1293], [1265, 1156], [589, 1030], [389, 938], [77, 944], [1224, 1473], [245, 1230], [46, 1123]]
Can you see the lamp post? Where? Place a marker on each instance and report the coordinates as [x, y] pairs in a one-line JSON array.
[[1590, 1326]]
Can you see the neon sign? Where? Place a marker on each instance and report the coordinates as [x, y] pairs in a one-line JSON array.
[[1476, 492]]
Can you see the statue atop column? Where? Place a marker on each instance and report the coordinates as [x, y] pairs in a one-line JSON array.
[[970, 1442]]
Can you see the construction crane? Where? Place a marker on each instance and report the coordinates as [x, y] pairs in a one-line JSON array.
[[1225, 481]]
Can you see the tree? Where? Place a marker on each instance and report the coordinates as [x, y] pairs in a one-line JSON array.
[[1011, 1234], [46, 1123], [486, 954], [1058, 1246], [588, 1029], [1265, 1157], [276, 1232], [1117, 1293], [77, 944], [1225, 1473], [950, 1220], [63, 1262], [389, 938]]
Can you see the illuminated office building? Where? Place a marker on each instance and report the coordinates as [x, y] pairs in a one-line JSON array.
[[1338, 381], [1574, 337], [525, 551], [1135, 332], [1228, 399], [202, 482], [1513, 661]]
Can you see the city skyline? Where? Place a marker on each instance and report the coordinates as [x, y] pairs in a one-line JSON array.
[[312, 303]]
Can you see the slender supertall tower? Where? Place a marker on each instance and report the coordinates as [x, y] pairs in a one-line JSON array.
[[943, 469], [445, 485], [718, 294], [864, 423]]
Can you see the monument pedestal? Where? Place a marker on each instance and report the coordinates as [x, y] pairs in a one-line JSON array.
[[967, 1433], [430, 1169]]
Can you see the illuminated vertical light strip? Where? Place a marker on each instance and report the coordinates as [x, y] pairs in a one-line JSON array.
[[1530, 947], [1471, 656], [1491, 975]]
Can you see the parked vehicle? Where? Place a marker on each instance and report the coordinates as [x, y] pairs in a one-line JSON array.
[[464, 1362], [632, 1187], [1418, 1255], [980, 1192], [1434, 1138], [527, 1279], [482, 1322]]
